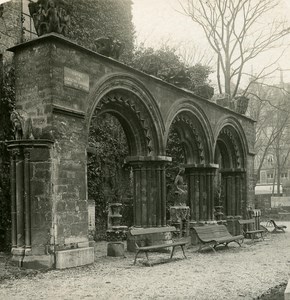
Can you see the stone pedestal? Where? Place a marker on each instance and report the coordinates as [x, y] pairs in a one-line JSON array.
[[115, 249], [179, 217]]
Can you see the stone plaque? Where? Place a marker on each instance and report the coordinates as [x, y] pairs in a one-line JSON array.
[[77, 80]]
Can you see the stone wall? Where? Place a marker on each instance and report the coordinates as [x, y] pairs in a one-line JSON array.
[[66, 83], [10, 24]]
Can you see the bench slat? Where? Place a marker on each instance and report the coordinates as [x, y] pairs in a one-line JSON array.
[[243, 222], [216, 235], [143, 231], [161, 246]]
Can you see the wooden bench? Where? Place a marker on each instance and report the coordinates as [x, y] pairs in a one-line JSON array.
[[248, 229], [277, 228], [144, 237], [214, 235]]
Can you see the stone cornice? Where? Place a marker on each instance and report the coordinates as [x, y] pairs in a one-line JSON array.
[[57, 109]]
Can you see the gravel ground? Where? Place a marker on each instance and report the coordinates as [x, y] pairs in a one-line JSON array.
[[231, 273]]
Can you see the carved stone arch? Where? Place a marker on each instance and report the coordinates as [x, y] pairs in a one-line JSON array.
[[137, 110], [231, 139], [231, 151], [194, 128]]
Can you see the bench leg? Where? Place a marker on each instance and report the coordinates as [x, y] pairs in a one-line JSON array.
[[136, 256], [146, 253], [182, 247], [172, 252]]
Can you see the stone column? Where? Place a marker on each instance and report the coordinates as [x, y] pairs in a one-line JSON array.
[[31, 202], [234, 191], [200, 191], [149, 195]]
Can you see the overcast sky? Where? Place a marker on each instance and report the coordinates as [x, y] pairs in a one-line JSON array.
[[158, 21]]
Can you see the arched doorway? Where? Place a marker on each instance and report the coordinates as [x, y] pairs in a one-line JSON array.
[[194, 139], [148, 168], [108, 177], [231, 179]]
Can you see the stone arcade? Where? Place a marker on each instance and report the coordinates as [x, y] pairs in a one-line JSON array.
[[59, 85]]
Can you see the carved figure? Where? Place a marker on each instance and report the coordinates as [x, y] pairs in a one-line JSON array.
[[109, 47], [22, 125], [17, 122], [181, 188], [49, 16]]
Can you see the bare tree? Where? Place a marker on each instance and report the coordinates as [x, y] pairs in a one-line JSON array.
[[269, 106], [235, 33]]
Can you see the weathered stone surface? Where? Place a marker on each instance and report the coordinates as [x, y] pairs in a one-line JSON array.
[[73, 258], [149, 107], [115, 249]]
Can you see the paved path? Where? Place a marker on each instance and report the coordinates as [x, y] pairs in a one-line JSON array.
[[233, 273]]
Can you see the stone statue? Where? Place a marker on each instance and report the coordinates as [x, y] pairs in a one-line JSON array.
[[49, 16], [22, 125], [109, 47], [180, 189]]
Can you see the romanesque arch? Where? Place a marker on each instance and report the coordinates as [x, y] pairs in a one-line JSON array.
[[194, 131], [230, 154], [66, 85], [128, 100]]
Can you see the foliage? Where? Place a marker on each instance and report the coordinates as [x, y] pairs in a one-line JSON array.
[[7, 102], [108, 178], [167, 65], [91, 19]]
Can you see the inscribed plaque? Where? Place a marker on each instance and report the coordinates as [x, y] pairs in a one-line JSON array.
[[77, 80]]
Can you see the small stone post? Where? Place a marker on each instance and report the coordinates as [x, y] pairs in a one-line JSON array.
[[115, 233]]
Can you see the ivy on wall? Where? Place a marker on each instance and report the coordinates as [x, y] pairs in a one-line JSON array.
[[91, 19], [7, 102], [108, 177]]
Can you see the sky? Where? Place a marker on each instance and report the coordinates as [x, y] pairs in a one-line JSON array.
[[160, 22]]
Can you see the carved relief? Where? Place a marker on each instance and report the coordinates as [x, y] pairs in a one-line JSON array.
[[195, 132], [109, 47], [22, 125], [138, 110], [50, 16], [234, 143]]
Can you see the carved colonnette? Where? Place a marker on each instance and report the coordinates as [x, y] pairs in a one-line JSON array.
[[200, 190], [31, 200]]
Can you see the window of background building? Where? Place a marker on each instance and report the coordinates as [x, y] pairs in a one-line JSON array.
[[270, 175]]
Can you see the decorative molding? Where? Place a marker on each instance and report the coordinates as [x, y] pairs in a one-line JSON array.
[[234, 142], [57, 109], [195, 131], [137, 109]]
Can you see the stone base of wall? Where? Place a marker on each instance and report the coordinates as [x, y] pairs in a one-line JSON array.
[[33, 261], [74, 257]]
